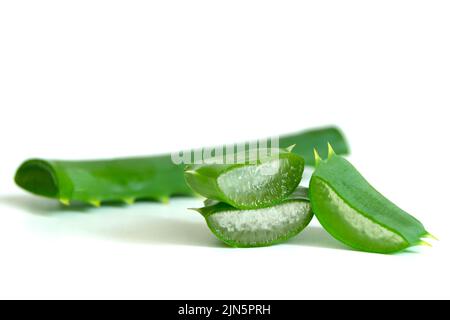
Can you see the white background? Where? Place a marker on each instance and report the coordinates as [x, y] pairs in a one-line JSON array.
[[88, 79]]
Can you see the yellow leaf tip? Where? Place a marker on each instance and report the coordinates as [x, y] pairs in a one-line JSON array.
[[424, 243], [430, 236]]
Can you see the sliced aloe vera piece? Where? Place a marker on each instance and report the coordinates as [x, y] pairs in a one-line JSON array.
[[256, 183], [353, 212], [258, 227]]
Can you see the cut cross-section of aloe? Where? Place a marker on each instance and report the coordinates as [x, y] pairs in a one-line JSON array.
[[258, 183], [258, 227]]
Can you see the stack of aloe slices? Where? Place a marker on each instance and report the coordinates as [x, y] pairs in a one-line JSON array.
[[253, 202], [259, 203]]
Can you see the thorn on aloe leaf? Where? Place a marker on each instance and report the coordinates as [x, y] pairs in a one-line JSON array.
[[65, 201], [330, 151], [290, 148], [317, 157], [430, 236], [129, 201], [164, 200], [424, 243], [95, 203]]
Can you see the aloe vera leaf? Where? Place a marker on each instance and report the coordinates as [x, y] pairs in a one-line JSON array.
[[258, 227], [260, 183], [353, 212], [153, 177], [95, 182]]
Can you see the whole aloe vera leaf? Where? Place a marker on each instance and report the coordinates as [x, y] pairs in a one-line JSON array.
[[256, 183], [258, 227], [94, 182], [128, 179], [353, 212]]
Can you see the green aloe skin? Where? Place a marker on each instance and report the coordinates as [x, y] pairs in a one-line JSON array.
[[258, 227], [129, 179], [94, 182], [265, 182], [356, 214]]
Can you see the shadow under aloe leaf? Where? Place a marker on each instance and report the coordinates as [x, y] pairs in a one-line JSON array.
[[41, 206], [316, 236], [162, 232], [146, 223]]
